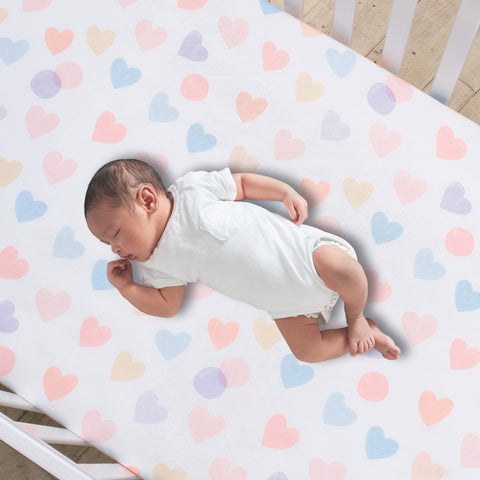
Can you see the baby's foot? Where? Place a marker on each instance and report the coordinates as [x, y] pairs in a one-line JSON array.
[[360, 336], [383, 343]]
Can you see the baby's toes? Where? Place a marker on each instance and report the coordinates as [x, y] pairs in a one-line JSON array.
[[353, 347]]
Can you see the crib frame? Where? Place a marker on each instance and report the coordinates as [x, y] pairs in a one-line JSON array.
[[38, 447]]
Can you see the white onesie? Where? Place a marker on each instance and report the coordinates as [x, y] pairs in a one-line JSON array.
[[239, 249]]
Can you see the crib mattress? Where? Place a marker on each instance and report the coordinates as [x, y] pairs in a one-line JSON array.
[[215, 393]]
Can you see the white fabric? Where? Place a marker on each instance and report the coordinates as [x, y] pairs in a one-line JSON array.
[[239, 249]]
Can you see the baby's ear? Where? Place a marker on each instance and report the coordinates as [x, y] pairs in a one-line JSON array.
[[147, 198]]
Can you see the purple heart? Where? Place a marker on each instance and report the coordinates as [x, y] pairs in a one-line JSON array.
[[3, 112], [8, 323], [332, 127], [278, 476], [148, 410], [192, 47], [454, 200]]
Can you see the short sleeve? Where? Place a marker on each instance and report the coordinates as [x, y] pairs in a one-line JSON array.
[[218, 183], [154, 278]]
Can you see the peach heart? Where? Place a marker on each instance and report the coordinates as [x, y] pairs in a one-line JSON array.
[[9, 171], [274, 59], [357, 193], [407, 189], [432, 410], [125, 369], [56, 168], [3, 14], [249, 108], [449, 147], [57, 41], [241, 162], [148, 37], [99, 41], [163, 472], [39, 123], [266, 333], [462, 357], [321, 470], [35, 5], [56, 385], [7, 361], [306, 90], [51, 306], [191, 4], [204, 426], [107, 131], [423, 469], [277, 435], [377, 291], [11, 267], [288, 148], [418, 329], [95, 429], [222, 334], [233, 32], [92, 335], [314, 193], [383, 141]]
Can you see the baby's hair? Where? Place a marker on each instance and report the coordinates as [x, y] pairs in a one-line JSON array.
[[117, 183]]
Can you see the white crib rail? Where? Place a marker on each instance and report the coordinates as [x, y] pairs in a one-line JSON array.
[[467, 23], [33, 441]]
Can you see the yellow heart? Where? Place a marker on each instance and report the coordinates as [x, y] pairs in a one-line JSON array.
[[125, 369], [266, 333], [9, 171], [307, 91], [240, 161], [423, 469], [99, 41], [357, 193], [162, 472]]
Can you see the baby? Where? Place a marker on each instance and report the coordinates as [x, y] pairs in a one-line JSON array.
[[200, 230]]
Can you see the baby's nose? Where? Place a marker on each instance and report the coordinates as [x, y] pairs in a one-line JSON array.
[[117, 250]]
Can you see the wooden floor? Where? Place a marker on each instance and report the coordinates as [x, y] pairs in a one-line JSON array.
[[430, 30]]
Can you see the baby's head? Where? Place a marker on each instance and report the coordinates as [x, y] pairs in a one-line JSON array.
[[126, 206]]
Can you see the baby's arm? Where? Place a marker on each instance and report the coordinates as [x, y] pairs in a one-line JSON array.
[[163, 302], [260, 187]]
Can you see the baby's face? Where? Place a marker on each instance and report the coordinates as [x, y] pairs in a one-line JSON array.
[[130, 235]]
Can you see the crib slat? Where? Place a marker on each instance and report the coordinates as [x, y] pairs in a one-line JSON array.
[[51, 435], [343, 21], [458, 45], [399, 26], [294, 7], [11, 400], [107, 471]]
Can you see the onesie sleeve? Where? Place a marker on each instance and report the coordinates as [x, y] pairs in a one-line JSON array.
[[154, 278], [217, 183]]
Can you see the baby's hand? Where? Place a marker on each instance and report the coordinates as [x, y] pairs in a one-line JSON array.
[[296, 206], [120, 273]]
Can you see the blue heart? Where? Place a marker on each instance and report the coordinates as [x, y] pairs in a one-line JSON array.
[[384, 231], [99, 276], [341, 63], [336, 412], [11, 51], [66, 246], [198, 141], [293, 374], [27, 209], [466, 298], [160, 110], [268, 8], [377, 446], [426, 268], [171, 345], [121, 75]]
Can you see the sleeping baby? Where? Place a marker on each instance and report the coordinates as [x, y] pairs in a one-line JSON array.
[[201, 230]]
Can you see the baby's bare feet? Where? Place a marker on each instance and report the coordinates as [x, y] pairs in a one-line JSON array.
[[383, 343], [360, 336]]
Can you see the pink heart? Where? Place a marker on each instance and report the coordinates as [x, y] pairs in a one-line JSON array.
[[35, 5], [95, 429], [377, 291], [249, 108], [56, 168], [432, 410], [402, 90], [277, 435], [203, 426], [274, 59], [7, 361], [383, 141], [462, 357], [148, 37], [57, 385], [287, 148], [222, 334], [314, 193], [418, 329], [470, 451], [320, 470], [449, 147], [92, 335], [51, 306], [107, 131], [220, 470], [191, 4], [11, 267], [233, 33], [198, 290], [38, 123], [57, 41], [126, 3], [407, 189]]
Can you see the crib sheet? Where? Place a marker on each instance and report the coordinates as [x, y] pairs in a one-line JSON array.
[[215, 393]]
